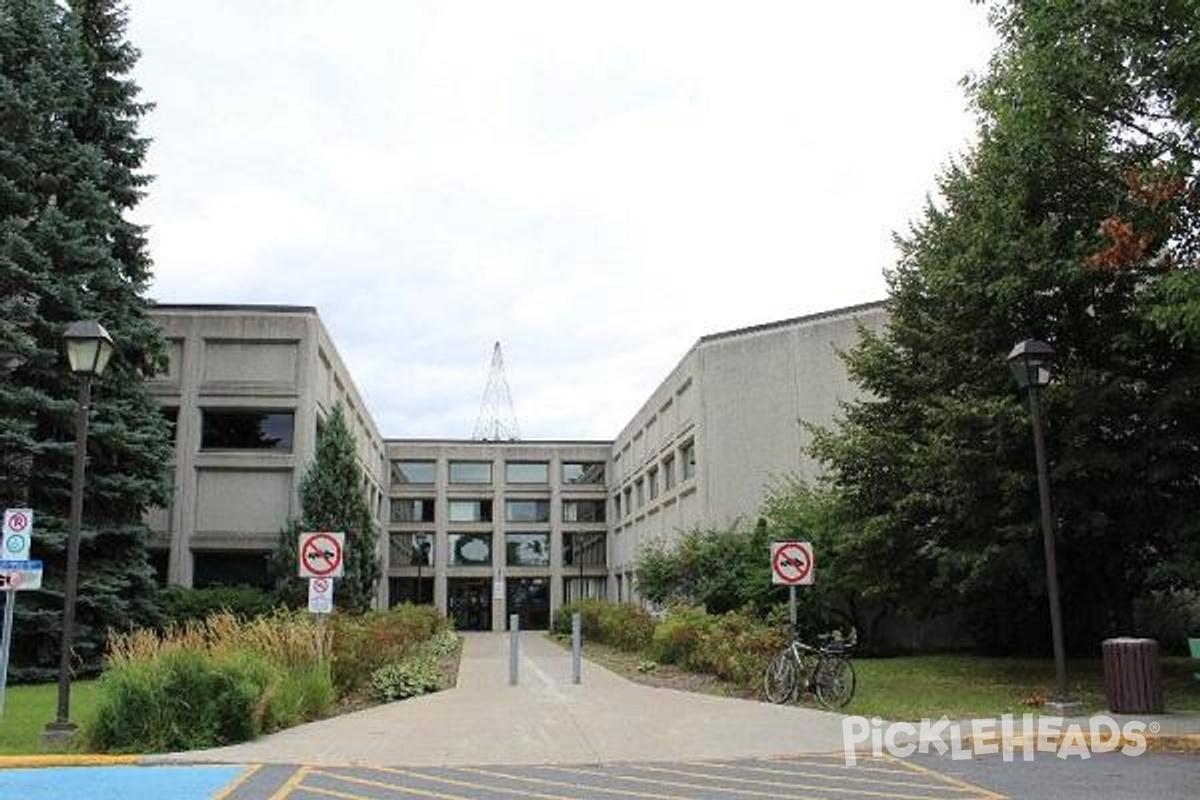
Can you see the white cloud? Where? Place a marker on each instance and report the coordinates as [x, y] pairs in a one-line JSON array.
[[596, 185]]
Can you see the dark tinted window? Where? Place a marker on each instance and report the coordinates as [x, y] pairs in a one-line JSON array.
[[583, 472], [246, 430], [231, 568]]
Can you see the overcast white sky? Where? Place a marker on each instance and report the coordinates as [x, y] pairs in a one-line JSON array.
[[594, 184]]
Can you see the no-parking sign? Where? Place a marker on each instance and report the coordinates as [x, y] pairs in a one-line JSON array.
[[320, 595], [17, 533], [321, 554], [792, 563]]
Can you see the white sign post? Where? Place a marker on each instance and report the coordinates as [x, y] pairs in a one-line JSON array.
[[16, 572], [320, 595], [321, 554], [792, 565]]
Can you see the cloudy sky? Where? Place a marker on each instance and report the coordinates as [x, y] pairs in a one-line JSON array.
[[595, 185]]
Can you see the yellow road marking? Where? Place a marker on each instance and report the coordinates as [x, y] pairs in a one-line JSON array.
[[860, 766], [65, 760], [846, 776], [833, 789], [391, 787], [439, 779], [702, 787], [335, 793], [291, 783], [232, 786], [984, 792], [548, 782]]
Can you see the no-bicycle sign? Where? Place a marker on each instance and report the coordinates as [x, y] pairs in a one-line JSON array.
[[792, 563], [321, 554]]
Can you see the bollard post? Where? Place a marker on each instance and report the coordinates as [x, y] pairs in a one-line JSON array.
[[576, 647], [514, 631]]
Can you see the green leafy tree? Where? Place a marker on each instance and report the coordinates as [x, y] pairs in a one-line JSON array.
[[1087, 110], [69, 173], [333, 498]]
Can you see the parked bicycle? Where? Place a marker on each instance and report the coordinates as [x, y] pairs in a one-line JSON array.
[[824, 670]]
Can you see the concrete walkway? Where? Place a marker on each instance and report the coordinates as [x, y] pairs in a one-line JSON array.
[[544, 720]]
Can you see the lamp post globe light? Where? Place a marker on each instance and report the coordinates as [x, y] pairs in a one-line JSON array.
[[1030, 362], [89, 348]]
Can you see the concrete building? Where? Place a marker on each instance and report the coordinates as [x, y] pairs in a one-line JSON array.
[[489, 529], [245, 389], [483, 529], [728, 420]]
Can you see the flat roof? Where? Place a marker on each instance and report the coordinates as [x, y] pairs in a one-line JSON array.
[[258, 308], [784, 323], [504, 442]]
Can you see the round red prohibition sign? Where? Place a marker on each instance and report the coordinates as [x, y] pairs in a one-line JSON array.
[[17, 522], [320, 585], [792, 564], [322, 554]]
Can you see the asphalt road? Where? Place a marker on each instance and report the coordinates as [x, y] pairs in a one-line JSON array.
[[812, 776]]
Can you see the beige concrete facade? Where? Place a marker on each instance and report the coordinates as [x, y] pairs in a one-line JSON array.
[[229, 365], [537, 503], [727, 421]]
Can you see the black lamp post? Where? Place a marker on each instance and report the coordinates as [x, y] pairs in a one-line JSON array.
[[88, 349], [1030, 362]]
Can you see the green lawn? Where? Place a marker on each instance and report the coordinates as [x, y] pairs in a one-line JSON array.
[[27, 709], [959, 686]]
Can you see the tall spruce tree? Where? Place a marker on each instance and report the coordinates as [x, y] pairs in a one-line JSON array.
[[333, 497], [1064, 223], [69, 161]]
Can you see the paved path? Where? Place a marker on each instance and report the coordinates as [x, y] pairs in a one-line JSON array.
[[544, 720]]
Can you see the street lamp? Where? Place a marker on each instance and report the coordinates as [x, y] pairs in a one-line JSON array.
[[1030, 362], [88, 349]]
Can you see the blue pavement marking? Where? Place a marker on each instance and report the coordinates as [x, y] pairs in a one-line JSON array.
[[116, 783]]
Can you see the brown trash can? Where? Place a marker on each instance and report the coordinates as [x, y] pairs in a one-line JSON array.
[[1132, 676]]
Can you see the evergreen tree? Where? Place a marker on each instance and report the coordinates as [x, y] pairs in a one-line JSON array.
[[1064, 224], [69, 160], [333, 498]]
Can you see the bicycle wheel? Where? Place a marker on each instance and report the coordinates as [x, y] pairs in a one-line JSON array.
[[779, 681], [834, 681]]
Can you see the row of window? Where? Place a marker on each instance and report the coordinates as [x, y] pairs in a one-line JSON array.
[[647, 487], [422, 509], [239, 429], [529, 549], [475, 472]]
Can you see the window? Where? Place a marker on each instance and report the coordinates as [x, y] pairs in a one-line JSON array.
[[639, 487], [583, 510], [470, 549], [628, 501], [687, 454], [470, 472], [410, 550], [668, 469], [414, 472], [527, 472], [617, 505], [230, 568], [171, 415], [584, 550], [583, 472], [470, 510], [410, 590], [527, 510], [412, 509], [527, 549], [246, 430], [652, 479]]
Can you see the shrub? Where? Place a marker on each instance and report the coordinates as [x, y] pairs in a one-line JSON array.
[[736, 647], [182, 605], [408, 678], [364, 643], [624, 626], [679, 634], [181, 701]]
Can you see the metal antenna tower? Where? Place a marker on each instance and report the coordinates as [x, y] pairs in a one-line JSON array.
[[497, 420]]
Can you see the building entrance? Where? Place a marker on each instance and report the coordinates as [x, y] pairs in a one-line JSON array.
[[469, 602], [529, 599]]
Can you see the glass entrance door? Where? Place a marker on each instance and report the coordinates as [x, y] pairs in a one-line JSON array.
[[529, 599], [469, 602]]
